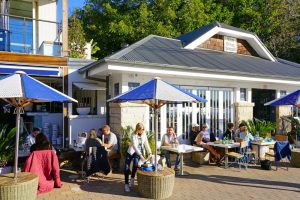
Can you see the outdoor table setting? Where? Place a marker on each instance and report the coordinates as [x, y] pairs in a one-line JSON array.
[[260, 145], [226, 147], [181, 149]]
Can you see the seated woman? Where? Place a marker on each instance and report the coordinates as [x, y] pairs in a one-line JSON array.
[[240, 132], [200, 143], [248, 137], [92, 141], [44, 162]]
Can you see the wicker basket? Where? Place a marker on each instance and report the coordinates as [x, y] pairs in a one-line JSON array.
[[24, 189], [156, 185]]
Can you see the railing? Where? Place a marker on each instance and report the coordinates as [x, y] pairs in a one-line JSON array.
[[30, 36]]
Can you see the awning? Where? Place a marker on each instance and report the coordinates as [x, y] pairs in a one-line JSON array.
[[88, 86], [31, 70]]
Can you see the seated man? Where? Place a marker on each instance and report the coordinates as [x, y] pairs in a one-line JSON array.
[[200, 141], [167, 140], [110, 141], [194, 133]]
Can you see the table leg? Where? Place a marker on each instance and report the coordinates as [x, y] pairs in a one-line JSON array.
[[181, 164], [226, 158], [258, 151], [181, 173]]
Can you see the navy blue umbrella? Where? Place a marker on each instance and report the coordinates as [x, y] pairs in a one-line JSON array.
[[157, 93], [292, 99], [19, 90]]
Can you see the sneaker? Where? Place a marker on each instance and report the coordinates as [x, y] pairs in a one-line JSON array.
[[131, 183], [127, 189]]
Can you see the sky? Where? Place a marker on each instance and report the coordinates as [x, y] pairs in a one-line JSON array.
[[72, 5]]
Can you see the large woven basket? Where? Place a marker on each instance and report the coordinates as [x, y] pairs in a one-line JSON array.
[[24, 189], [156, 185], [295, 161]]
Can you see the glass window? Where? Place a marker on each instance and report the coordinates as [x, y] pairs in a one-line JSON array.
[[132, 85], [21, 35], [117, 89], [243, 94], [87, 99], [282, 93]]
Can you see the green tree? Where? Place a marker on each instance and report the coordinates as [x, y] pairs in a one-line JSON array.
[[77, 40], [111, 23]]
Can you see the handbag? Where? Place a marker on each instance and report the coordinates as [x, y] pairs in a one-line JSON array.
[[265, 164]]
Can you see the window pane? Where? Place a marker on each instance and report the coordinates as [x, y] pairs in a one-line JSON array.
[[243, 95], [117, 89], [132, 85]]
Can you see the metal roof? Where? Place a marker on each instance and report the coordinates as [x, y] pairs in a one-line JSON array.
[[164, 51]]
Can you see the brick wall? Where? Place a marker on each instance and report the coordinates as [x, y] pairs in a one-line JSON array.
[[217, 43]]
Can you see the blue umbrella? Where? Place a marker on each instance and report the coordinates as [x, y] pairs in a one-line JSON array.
[[157, 93], [292, 99], [19, 90]]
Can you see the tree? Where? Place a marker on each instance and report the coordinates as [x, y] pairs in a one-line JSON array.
[[112, 23], [77, 40]]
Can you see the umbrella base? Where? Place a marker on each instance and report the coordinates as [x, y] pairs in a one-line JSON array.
[[156, 185], [24, 189]]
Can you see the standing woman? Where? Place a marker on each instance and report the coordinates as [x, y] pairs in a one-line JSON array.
[[135, 152]]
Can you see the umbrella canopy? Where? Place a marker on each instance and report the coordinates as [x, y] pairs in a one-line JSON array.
[[292, 99], [157, 93], [27, 89], [19, 90], [157, 90]]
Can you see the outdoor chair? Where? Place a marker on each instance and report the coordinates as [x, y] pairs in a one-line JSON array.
[[281, 151], [241, 157], [93, 161]]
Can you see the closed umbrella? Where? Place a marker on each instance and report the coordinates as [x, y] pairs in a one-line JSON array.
[[157, 93], [19, 90]]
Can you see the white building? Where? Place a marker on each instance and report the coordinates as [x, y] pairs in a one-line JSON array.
[[228, 66]]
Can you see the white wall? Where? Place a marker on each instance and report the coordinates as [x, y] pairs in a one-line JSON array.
[[80, 123], [47, 10]]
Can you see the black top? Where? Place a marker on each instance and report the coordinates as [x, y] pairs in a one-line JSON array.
[[193, 136], [228, 134]]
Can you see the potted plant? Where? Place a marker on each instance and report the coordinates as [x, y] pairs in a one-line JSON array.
[[261, 128], [6, 147]]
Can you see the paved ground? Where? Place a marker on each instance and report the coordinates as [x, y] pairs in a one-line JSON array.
[[204, 182]]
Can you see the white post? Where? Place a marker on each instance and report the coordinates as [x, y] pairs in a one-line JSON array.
[[156, 133], [17, 142]]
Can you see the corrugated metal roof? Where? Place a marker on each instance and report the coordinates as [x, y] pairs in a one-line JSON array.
[[164, 51]]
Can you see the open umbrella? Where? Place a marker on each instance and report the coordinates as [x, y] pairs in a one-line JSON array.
[[157, 93], [292, 99], [19, 90]]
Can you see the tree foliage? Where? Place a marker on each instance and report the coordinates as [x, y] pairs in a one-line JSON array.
[[112, 23]]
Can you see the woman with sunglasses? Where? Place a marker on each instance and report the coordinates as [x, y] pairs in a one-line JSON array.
[[135, 152], [200, 142]]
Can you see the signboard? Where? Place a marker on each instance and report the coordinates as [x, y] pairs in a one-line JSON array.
[[230, 44]]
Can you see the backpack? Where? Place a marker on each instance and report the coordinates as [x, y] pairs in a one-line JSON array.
[[265, 164]]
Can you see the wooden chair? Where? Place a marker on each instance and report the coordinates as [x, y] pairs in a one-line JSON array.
[[272, 153], [241, 157]]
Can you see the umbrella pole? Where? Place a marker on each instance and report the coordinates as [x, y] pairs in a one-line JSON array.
[[156, 133], [17, 142]]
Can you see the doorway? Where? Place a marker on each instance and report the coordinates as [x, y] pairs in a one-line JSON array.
[[260, 97]]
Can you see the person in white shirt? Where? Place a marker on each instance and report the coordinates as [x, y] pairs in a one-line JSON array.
[[135, 152], [167, 140], [31, 138]]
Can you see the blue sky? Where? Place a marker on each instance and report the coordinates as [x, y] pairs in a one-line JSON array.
[[72, 5]]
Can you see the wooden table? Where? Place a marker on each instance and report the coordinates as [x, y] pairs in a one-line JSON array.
[[261, 144], [226, 147], [181, 149]]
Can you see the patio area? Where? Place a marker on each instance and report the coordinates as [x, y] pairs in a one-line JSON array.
[[203, 182]]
